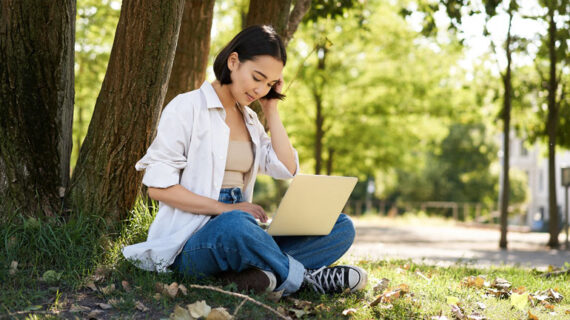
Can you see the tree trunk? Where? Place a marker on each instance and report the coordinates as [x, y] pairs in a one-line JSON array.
[[506, 115], [191, 58], [127, 109], [274, 12], [319, 132], [551, 124], [330, 161], [36, 104]]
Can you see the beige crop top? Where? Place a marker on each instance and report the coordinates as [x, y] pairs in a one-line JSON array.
[[238, 163]]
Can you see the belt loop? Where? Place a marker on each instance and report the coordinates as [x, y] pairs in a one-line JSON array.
[[233, 194]]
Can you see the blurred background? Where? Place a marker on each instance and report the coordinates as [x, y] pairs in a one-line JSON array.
[[408, 96]]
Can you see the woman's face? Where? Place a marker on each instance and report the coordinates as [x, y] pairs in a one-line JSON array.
[[252, 79]]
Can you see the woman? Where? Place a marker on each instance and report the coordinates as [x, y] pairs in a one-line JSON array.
[[201, 167]]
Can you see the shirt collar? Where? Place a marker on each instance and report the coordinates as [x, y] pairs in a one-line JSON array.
[[212, 100]]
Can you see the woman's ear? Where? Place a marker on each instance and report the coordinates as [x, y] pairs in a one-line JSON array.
[[233, 61]]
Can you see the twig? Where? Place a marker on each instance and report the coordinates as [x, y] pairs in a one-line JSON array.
[[239, 295], [556, 273], [239, 306]]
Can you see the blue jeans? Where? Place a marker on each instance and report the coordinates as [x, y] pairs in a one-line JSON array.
[[233, 241]]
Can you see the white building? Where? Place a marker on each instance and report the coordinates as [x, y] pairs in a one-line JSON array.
[[534, 162]]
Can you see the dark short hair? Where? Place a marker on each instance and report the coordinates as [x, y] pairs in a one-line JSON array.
[[251, 42]]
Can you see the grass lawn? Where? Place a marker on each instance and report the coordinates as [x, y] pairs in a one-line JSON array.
[[53, 269]]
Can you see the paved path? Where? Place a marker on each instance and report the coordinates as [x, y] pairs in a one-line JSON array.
[[448, 244]]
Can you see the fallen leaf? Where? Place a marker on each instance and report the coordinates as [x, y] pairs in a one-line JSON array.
[[452, 300], [549, 306], [298, 312], [77, 308], [567, 311], [500, 283], [141, 307], [406, 266], [183, 289], [104, 306], [51, 276], [481, 305], [108, 289], [457, 312], [157, 296], [159, 287], [404, 288], [520, 301], [381, 286], [519, 290], [348, 312], [126, 286], [180, 313], [531, 316], [172, 290], [219, 314], [100, 274], [91, 285], [114, 302], [94, 314], [476, 316], [302, 304], [199, 309], [13, 268]]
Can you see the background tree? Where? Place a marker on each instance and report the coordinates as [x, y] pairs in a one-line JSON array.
[[36, 104], [191, 58], [127, 109]]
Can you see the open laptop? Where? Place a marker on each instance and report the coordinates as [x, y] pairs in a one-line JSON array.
[[311, 205]]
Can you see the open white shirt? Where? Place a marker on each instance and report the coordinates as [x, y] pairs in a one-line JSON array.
[[190, 149]]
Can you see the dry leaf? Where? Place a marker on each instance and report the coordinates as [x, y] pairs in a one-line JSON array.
[[302, 304], [94, 314], [114, 302], [108, 289], [481, 305], [531, 316], [298, 312], [104, 306], [519, 290], [500, 283], [376, 301], [404, 288], [406, 266], [183, 289], [172, 290], [78, 308], [457, 312], [348, 312], [199, 309], [219, 314], [100, 274], [159, 287], [13, 268], [180, 313], [476, 316], [91, 285], [549, 306], [381, 286], [567, 311], [141, 307], [157, 296], [126, 286]]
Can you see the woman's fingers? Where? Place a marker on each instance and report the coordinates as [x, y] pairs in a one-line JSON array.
[[255, 210]]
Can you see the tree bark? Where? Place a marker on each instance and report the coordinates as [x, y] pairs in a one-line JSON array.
[[127, 109], [274, 12], [506, 115], [319, 132], [191, 58], [551, 128], [36, 104]]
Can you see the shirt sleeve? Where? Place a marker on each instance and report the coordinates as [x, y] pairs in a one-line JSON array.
[[269, 163], [166, 156]]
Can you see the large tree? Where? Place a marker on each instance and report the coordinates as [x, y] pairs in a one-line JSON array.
[[128, 107], [36, 103], [191, 58]]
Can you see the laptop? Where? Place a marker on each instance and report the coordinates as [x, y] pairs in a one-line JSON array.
[[311, 205]]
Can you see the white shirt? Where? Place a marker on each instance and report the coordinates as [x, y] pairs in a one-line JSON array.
[[190, 149]]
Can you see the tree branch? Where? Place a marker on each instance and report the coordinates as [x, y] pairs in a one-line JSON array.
[[299, 11], [243, 296]]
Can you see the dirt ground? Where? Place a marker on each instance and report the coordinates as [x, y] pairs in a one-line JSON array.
[[447, 244]]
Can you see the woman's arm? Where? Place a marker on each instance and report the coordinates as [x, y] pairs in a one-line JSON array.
[[179, 197], [279, 138]]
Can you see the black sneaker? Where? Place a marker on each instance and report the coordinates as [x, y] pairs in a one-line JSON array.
[[251, 279], [336, 279]]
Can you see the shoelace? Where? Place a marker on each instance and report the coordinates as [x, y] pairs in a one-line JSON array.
[[324, 279]]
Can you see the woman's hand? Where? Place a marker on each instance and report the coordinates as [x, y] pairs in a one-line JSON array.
[[255, 210], [270, 105]]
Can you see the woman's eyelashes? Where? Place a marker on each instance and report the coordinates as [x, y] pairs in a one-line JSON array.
[[269, 84]]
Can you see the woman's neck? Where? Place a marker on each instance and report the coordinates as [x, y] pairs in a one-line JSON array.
[[224, 94]]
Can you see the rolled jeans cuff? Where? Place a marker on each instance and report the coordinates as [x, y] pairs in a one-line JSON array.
[[294, 278]]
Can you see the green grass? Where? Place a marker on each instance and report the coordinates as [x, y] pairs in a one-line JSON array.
[[76, 248]]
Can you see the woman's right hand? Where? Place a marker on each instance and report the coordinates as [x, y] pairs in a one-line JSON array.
[[255, 210]]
